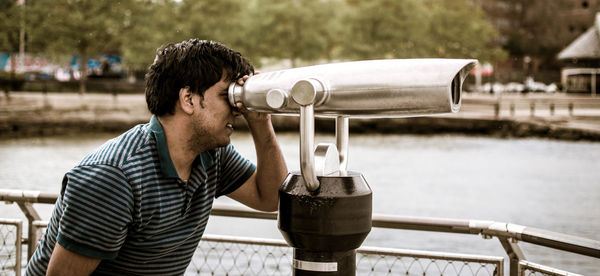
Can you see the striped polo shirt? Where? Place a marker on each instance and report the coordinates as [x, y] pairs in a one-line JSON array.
[[125, 204]]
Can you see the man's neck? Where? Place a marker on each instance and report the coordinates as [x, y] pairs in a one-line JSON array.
[[178, 141]]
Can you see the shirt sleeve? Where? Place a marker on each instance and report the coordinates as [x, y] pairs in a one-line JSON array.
[[234, 170], [96, 211]]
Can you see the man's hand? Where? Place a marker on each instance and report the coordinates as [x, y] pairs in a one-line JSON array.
[[251, 116]]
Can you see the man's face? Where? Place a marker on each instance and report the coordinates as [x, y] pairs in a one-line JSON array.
[[213, 117]]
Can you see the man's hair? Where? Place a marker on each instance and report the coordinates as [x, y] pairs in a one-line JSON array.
[[197, 64]]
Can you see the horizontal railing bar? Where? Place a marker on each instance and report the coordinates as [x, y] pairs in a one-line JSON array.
[[550, 239], [244, 240], [27, 196], [544, 269], [422, 224], [10, 221], [40, 223], [546, 238], [366, 250], [240, 212], [561, 241], [431, 254]]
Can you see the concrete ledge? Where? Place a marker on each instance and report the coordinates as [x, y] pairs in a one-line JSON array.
[[503, 128]]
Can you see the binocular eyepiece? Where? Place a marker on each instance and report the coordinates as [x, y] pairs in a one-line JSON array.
[[373, 88]]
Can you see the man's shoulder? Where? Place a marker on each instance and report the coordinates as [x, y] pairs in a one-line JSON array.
[[120, 150]]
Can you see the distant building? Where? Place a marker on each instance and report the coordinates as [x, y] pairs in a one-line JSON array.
[[578, 17], [510, 16], [534, 31], [582, 62]]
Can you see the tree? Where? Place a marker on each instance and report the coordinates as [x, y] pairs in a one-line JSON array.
[[10, 28], [213, 20], [148, 25], [534, 28], [175, 21], [226, 21], [459, 29], [386, 29], [291, 29], [86, 27]]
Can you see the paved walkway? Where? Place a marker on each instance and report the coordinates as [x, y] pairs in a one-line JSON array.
[[560, 110]]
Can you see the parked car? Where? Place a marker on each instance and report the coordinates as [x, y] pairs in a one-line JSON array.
[[492, 88], [514, 87]]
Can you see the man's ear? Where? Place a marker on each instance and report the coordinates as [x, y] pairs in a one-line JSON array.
[[185, 100]]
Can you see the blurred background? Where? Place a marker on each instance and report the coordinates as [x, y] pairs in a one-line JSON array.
[[516, 41], [523, 149]]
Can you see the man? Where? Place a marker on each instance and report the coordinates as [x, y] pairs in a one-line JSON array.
[[140, 203]]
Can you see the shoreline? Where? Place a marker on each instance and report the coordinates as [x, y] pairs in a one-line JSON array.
[[44, 125], [28, 114]]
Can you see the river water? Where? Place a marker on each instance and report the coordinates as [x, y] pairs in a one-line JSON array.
[[547, 184]]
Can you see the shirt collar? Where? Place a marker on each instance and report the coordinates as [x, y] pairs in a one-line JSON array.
[[166, 164], [206, 158]]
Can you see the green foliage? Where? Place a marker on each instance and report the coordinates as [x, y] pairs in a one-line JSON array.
[[296, 30], [225, 21], [149, 25], [82, 26], [293, 29], [459, 30], [9, 26], [386, 29], [537, 28], [419, 28], [213, 20]]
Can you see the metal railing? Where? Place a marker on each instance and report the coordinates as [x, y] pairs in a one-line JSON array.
[[528, 268], [11, 231], [378, 261], [230, 255], [223, 255], [533, 106]]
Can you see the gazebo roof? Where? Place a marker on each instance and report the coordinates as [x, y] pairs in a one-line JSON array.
[[586, 46]]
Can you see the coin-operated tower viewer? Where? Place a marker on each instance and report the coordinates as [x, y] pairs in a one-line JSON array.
[[325, 210]]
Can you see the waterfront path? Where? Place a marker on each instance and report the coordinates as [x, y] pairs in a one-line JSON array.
[[576, 111], [559, 115]]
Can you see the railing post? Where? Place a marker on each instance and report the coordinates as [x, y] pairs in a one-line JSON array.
[[18, 248], [532, 109], [593, 84], [571, 109], [31, 215], [496, 110], [515, 255]]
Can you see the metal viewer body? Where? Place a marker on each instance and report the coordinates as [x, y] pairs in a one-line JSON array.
[[372, 88]]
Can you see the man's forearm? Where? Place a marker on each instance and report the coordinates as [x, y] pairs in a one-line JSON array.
[[271, 167], [64, 262]]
